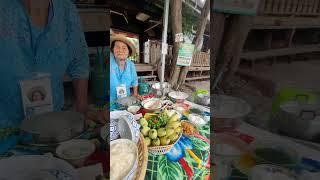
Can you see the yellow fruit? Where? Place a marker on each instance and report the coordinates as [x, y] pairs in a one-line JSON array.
[[174, 118], [169, 131], [161, 132], [178, 130], [174, 124], [164, 141], [173, 137]]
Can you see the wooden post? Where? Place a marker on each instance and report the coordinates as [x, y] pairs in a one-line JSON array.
[[238, 33], [200, 31]]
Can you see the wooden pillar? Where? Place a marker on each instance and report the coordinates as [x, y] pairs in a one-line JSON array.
[[238, 33]]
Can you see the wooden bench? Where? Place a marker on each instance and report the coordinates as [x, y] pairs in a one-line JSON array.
[[150, 69], [200, 63]]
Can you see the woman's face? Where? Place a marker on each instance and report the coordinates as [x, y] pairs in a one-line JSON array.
[[36, 96], [120, 50]]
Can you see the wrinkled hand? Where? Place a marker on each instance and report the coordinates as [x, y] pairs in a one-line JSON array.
[[101, 116], [140, 98]]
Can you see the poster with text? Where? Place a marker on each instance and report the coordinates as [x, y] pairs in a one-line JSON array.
[[185, 54]]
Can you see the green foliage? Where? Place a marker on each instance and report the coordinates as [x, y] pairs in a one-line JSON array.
[[189, 18], [169, 170]]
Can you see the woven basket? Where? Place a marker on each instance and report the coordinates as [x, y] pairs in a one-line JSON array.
[[157, 150], [142, 160]]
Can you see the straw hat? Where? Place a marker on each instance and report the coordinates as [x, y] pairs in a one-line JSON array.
[[124, 39]]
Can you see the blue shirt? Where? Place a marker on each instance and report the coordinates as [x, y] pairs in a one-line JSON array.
[[59, 48], [117, 77]]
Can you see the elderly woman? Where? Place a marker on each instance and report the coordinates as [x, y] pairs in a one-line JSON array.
[[40, 36], [123, 75]]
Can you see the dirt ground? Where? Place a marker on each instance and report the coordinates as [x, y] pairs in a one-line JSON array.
[[189, 88]]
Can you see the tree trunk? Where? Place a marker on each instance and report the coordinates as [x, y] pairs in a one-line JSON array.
[[176, 21], [233, 41], [216, 31], [243, 24], [200, 31]]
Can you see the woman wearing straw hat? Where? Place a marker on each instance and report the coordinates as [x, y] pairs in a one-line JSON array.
[[123, 74]]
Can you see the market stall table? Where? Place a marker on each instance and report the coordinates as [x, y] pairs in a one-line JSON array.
[[94, 165], [265, 136], [163, 167]]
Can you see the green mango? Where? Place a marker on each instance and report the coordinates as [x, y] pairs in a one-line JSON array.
[[156, 142], [145, 130], [143, 122], [153, 134], [147, 141]]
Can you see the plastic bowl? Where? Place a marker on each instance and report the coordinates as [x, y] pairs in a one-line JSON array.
[[133, 169], [197, 120], [178, 97], [75, 151], [133, 109]]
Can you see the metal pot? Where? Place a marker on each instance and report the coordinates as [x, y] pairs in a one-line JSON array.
[[298, 119]]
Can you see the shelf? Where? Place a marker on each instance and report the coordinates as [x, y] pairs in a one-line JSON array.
[[145, 67], [253, 55], [193, 68], [197, 78]]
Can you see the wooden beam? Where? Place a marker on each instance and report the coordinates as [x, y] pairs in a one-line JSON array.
[[197, 78], [263, 22], [280, 52]]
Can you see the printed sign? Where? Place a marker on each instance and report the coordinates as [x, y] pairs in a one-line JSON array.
[[164, 48], [242, 7], [178, 37], [146, 52], [36, 94], [185, 54]]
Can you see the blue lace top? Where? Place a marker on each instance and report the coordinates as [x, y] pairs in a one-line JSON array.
[[59, 48]]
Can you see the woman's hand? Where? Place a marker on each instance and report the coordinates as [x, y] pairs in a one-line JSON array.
[[101, 116], [137, 96]]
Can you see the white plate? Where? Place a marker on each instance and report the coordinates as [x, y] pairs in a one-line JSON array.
[[36, 167], [75, 145], [60, 126], [178, 95]]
